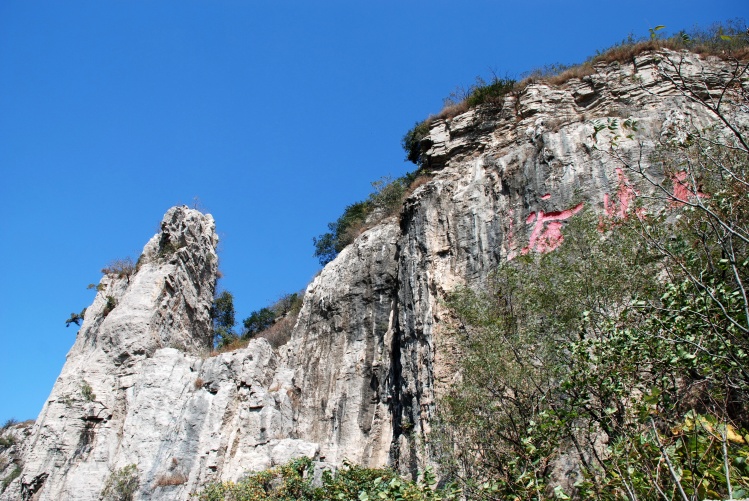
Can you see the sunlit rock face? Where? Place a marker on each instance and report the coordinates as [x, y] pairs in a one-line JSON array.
[[371, 351]]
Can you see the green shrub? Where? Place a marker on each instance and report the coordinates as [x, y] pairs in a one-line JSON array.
[[490, 93], [411, 141], [222, 314], [10, 478], [167, 248], [633, 335], [122, 484], [288, 304], [109, 306], [75, 318], [87, 392], [293, 481], [7, 442]]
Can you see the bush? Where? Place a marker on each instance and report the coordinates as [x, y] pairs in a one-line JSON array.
[[122, 484], [293, 481], [411, 141], [622, 355], [289, 304], [8, 423], [280, 332], [75, 318], [7, 442], [109, 306], [170, 479], [276, 322], [490, 93], [728, 40], [10, 478], [87, 392]]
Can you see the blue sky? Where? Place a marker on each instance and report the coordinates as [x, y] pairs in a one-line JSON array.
[[272, 115]]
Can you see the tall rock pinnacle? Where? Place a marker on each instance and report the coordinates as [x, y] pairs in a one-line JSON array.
[[163, 301]]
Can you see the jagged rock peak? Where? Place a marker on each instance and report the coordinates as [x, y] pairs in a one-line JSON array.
[[164, 300]]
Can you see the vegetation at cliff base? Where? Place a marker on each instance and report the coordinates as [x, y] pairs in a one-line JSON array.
[[295, 481]]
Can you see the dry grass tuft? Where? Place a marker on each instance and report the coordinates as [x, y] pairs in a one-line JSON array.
[[170, 480], [234, 345], [121, 268], [279, 333], [705, 43], [451, 111], [419, 181]]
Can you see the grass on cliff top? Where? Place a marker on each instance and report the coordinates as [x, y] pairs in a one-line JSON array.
[[729, 41]]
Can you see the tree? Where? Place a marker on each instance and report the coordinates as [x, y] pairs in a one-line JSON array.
[[222, 313], [258, 321]]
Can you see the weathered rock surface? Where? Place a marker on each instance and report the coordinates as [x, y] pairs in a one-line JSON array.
[[370, 354]]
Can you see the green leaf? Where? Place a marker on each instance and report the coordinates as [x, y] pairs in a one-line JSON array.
[[559, 493]]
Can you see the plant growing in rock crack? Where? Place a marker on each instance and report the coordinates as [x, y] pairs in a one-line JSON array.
[[167, 247], [8, 423], [109, 306], [7, 442], [75, 318], [87, 392], [384, 201], [122, 484]]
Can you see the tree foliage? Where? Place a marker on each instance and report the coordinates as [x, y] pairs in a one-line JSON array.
[[384, 201], [258, 321], [222, 314]]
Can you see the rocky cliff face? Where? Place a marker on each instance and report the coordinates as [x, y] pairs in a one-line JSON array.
[[370, 352]]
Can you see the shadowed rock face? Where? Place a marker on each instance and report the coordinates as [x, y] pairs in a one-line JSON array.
[[370, 353]]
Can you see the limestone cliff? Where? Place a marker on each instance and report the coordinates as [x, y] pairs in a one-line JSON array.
[[370, 353]]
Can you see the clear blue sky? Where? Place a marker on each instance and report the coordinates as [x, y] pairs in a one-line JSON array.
[[275, 115]]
